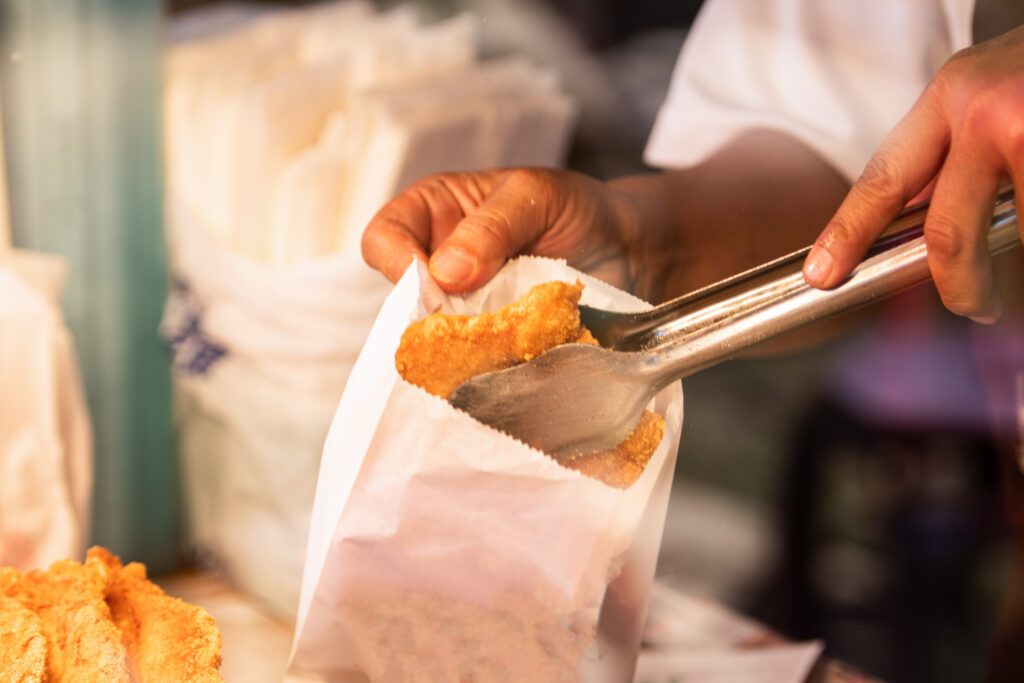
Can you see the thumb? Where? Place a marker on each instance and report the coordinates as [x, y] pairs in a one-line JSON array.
[[512, 217]]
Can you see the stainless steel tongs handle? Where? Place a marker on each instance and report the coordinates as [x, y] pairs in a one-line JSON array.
[[707, 326]]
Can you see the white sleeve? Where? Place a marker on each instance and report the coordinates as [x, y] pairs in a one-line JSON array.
[[835, 74]]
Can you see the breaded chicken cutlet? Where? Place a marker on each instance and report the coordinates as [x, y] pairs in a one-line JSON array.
[[442, 351], [22, 644], [82, 642], [99, 621], [167, 638]]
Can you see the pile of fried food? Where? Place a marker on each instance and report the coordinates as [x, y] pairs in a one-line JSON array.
[[99, 621], [441, 351]]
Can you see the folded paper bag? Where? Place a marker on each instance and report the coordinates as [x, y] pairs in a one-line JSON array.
[[441, 549]]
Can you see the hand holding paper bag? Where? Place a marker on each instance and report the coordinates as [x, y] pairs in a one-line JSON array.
[[443, 550]]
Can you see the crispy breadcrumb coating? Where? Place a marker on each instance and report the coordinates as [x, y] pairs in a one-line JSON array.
[[83, 644], [22, 644], [99, 621], [442, 351], [167, 638]]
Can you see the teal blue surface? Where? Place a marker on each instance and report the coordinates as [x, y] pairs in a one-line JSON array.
[[81, 96]]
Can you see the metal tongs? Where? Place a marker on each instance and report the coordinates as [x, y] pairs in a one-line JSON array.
[[578, 398]]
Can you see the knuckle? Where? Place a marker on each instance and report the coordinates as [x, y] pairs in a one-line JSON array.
[[979, 93], [436, 184], [950, 255], [976, 116], [376, 236], [839, 233], [552, 196], [952, 72], [956, 78], [536, 192], [432, 182], [944, 240], [974, 101], [489, 228], [378, 253], [882, 179], [531, 182]]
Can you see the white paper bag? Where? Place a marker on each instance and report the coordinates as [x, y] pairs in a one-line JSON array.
[[442, 550], [46, 466]]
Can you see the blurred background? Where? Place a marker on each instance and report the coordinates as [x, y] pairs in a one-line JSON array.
[[203, 169]]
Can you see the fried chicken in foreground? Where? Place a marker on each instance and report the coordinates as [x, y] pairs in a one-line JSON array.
[[82, 642], [22, 644], [167, 638], [442, 351], [99, 621]]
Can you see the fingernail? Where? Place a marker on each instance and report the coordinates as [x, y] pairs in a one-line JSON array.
[[452, 265], [818, 266]]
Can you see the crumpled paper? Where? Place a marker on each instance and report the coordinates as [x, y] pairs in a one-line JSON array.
[[441, 549]]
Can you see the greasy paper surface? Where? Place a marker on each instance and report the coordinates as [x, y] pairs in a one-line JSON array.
[[441, 549]]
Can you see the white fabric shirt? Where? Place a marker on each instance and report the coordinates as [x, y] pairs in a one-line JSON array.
[[835, 74]]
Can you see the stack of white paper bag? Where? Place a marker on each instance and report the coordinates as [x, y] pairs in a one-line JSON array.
[[284, 134], [345, 100]]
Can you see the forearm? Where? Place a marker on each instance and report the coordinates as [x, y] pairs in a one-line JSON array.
[[764, 195]]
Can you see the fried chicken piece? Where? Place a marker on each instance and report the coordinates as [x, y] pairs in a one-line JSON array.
[[442, 351], [99, 621], [22, 644], [10, 582], [83, 645], [167, 639], [622, 465]]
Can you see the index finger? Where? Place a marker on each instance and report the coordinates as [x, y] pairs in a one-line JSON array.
[[390, 244], [903, 165], [412, 224]]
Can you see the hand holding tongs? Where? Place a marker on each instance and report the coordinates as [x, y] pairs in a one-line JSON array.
[[579, 398]]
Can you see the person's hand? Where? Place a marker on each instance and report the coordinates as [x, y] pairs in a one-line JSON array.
[[466, 225], [963, 136]]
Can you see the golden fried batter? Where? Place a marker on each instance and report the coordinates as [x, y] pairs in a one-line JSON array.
[[22, 644], [167, 638], [442, 351], [98, 621], [82, 642]]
